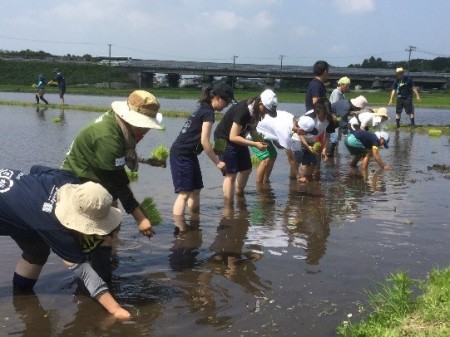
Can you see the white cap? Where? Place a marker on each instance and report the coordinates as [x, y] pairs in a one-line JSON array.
[[307, 124], [270, 102]]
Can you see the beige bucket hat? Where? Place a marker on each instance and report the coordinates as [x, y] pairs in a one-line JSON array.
[[382, 112], [86, 208], [140, 110]]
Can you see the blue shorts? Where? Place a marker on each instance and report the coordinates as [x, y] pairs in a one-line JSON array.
[[302, 155], [186, 173], [236, 158]]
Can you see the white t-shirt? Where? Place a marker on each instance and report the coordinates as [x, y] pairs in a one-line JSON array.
[[278, 128], [320, 126], [367, 119]]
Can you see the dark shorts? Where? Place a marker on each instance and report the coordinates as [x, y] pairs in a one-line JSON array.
[[186, 173], [236, 158], [404, 103], [35, 250]]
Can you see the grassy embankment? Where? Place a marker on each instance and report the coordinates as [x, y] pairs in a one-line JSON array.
[[395, 311]]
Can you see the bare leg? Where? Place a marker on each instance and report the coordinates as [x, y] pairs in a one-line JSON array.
[[241, 181], [194, 201], [262, 169], [229, 183], [293, 165], [365, 162], [28, 270], [180, 203], [269, 169]]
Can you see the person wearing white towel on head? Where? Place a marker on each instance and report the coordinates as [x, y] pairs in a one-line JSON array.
[[376, 118]]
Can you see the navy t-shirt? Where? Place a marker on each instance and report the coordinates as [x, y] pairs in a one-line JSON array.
[[188, 141], [59, 78], [368, 139], [403, 87], [316, 88], [27, 209], [239, 114]]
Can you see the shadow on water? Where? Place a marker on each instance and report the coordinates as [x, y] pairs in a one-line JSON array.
[[287, 259]]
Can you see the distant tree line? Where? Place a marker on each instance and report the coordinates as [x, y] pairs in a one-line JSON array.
[[42, 55], [439, 64]]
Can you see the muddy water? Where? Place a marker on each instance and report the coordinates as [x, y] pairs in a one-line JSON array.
[[289, 259]]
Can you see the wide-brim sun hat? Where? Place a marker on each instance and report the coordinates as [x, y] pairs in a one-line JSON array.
[[359, 102], [86, 208], [140, 110], [382, 112]]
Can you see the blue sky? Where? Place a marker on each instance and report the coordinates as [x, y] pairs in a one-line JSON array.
[[341, 32]]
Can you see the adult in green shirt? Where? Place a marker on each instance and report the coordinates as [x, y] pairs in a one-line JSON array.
[[102, 150]]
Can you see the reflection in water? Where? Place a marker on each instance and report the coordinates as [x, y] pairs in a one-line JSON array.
[[309, 220], [89, 320], [401, 146]]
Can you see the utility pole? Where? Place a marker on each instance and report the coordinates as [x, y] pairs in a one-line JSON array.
[[410, 49], [109, 62], [281, 67], [234, 71]]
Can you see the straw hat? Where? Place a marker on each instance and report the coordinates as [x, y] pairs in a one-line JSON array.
[[382, 112], [140, 110], [86, 208]]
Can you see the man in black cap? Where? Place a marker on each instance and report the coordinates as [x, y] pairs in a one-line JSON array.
[[61, 81]]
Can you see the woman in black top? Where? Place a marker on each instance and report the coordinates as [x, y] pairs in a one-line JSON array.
[[240, 120], [194, 137]]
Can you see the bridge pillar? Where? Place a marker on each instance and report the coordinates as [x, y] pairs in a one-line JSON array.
[[174, 80], [145, 80]]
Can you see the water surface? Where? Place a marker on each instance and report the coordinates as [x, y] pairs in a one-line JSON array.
[[290, 259]]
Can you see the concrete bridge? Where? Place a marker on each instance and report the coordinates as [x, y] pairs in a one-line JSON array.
[[143, 72]]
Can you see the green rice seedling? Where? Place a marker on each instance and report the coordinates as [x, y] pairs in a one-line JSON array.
[[151, 211], [317, 146], [435, 133], [160, 153], [132, 175], [258, 137], [255, 160], [219, 146], [56, 120]]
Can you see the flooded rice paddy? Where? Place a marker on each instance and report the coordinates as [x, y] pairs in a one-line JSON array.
[[290, 260]]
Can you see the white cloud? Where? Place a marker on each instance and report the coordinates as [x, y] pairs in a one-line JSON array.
[[303, 31], [354, 6], [225, 20]]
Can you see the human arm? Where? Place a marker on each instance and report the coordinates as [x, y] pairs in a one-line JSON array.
[[98, 289], [235, 137], [376, 156], [207, 147], [116, 182], [416, 92], [392, 97]]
